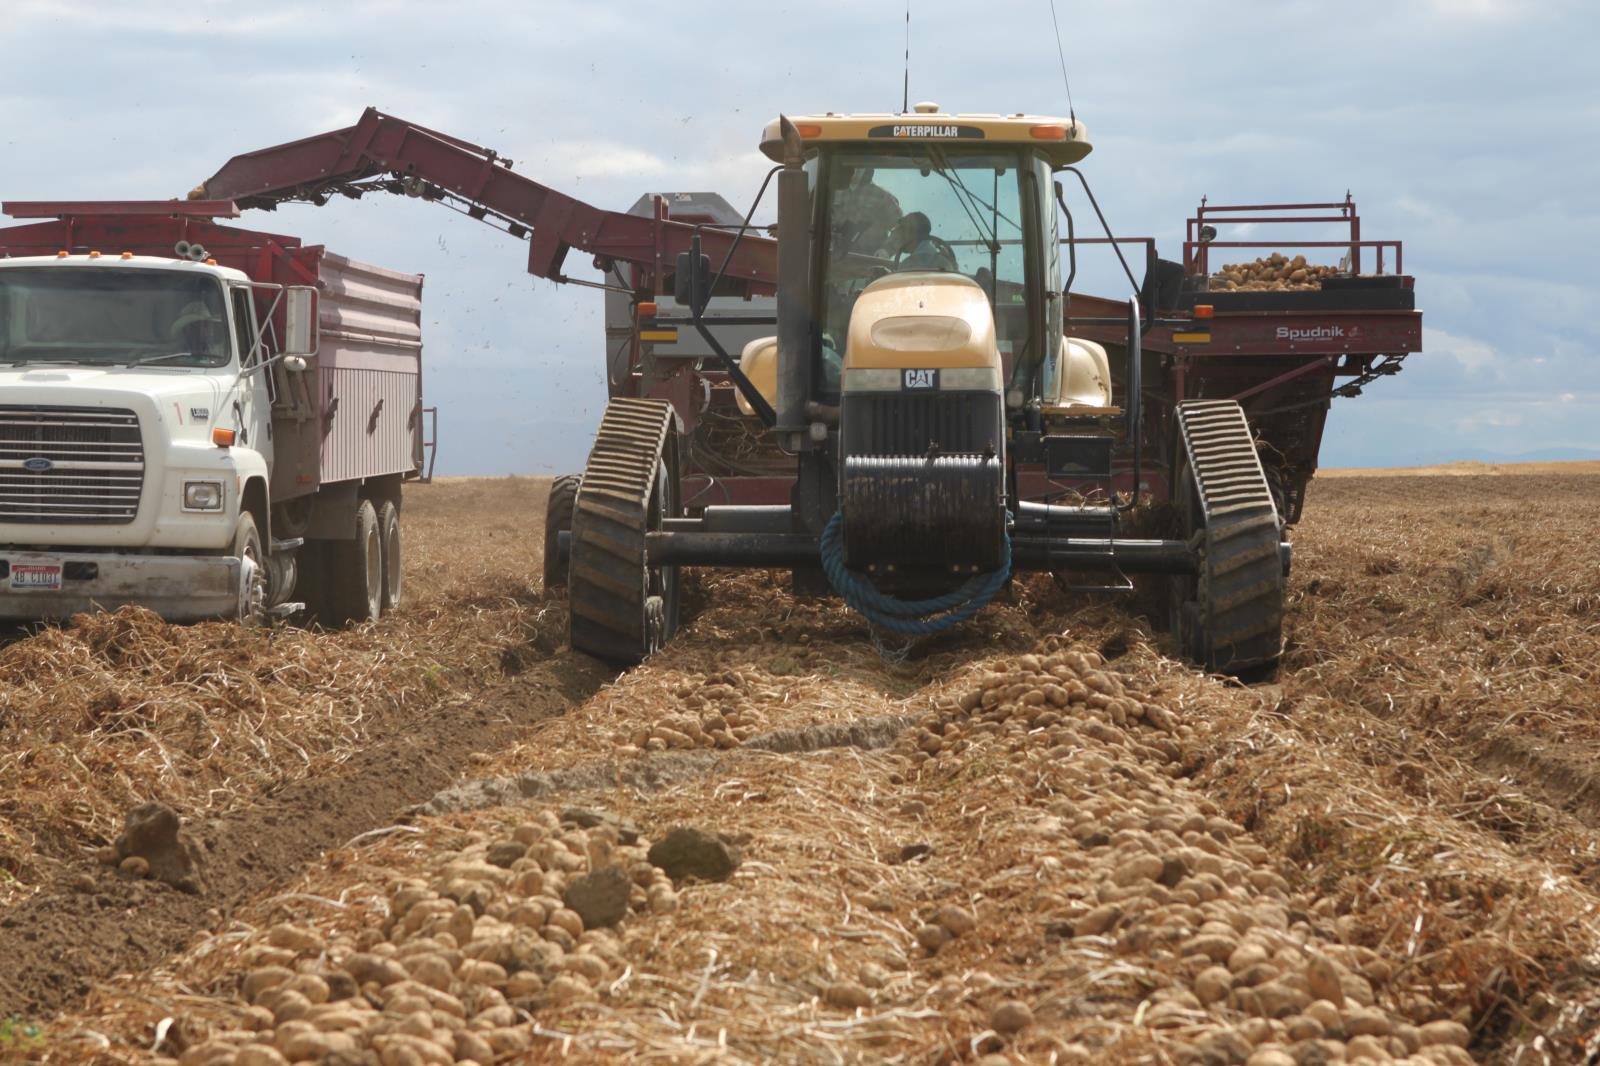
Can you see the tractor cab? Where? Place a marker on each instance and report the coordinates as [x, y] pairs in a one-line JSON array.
[[949, 223]]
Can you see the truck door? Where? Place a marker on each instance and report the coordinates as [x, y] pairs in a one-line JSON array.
[[251, 413]]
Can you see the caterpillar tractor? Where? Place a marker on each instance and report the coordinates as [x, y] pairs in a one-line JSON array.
[[918, 364], [925, 407]]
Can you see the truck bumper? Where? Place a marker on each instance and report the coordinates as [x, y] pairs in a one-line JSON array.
[[41, 586]]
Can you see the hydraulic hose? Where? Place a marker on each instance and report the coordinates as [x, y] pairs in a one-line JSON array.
[[915, 618]]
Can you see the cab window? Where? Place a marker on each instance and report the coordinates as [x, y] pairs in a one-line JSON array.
[[935, 209]]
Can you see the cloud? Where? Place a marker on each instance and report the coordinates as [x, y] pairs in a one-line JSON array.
[[1471, 355], [1477, 175], [1479, 9]]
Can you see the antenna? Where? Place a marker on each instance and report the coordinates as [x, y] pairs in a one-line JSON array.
[[905, 86], [1060, 52]]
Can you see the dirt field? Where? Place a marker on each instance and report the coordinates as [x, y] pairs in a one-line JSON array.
[[1036, 839]]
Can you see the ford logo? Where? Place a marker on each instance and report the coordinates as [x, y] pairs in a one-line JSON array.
[[38, 464]]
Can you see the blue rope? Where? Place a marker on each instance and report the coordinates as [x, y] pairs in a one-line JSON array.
[[909, 617]]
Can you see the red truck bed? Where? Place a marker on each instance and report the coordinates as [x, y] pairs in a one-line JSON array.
[[357, 412]]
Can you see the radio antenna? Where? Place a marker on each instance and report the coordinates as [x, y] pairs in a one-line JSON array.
[[1060, 52], [905, 86]]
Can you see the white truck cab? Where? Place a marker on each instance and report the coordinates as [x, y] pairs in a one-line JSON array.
[[135, 427]]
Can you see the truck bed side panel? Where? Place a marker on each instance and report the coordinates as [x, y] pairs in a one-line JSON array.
[[369, 370]]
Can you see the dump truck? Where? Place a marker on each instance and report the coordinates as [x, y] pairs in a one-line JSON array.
[[200, 419], [929, 406]]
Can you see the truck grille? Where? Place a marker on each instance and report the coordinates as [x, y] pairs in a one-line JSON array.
[[70, 464]]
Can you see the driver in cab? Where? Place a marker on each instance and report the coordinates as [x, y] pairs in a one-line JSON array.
[[916, 248]]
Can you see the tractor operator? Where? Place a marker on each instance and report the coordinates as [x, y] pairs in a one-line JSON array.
[[917, 248]]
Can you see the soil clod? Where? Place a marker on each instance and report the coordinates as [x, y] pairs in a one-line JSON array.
[[600, 898], [687, 853], [153, 835]]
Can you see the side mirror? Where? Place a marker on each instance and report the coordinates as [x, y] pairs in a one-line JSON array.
[[300, 333], [691, 281]]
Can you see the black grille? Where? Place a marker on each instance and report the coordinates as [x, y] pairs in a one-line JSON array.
[[909, 423], [70, 464]]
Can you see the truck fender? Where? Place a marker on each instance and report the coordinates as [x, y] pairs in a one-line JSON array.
[[251, 469]]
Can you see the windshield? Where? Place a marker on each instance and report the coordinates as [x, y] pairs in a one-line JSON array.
[[931, 209], [100, 316]]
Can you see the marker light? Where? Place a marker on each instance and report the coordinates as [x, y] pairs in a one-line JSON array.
[[1048, 133], [94, 255], [127, 255], [647, 309], [808, 129], [61, 255], [211, 262], [222, 438], [1205, 311]]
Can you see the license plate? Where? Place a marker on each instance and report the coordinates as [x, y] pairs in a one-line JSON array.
[[35, 576]]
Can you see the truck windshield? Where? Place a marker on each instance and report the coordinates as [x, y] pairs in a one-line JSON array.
[[934, 209], [102, 316]]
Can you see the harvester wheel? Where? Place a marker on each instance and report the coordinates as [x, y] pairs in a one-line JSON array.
[[621, 608], [1228, 617], [558, 520]]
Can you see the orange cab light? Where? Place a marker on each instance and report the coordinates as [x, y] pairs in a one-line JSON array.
[[94, 255], [211, 262], [1048, 133], [1205, 311], [647, 309], [127, 255], [222, 438], [61, 255], [808, 129]]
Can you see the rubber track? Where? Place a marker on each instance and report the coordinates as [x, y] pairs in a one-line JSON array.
[[1241, 579], [608, 575], [558, 517]]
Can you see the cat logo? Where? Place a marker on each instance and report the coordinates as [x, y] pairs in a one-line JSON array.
[[922, 379]]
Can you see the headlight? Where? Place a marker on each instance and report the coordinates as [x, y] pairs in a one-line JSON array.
[[202, 495]]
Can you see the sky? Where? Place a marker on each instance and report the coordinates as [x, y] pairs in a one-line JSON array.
[[1468, 129]]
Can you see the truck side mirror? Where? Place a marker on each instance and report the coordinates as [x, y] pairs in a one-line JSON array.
[[300, 332], [691, 281]]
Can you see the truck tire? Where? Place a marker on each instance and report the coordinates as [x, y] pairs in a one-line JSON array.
[[558, 520], [393, 571], [355, 571], [252, 608], [311, 582]]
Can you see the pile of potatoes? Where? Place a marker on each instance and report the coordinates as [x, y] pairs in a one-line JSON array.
[[1250, 972], [1274, 273], [454, 972]]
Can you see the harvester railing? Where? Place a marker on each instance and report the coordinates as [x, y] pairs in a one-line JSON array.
[[1201, 231]]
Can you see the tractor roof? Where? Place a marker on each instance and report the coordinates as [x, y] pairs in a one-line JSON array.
[[1063, 140]]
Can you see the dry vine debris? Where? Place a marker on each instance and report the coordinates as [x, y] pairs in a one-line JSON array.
[[1057, 842], [1027, 873]]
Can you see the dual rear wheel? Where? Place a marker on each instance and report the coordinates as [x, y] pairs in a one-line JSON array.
[[345, 582]]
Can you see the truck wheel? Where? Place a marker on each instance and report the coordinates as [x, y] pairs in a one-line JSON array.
[[558, 520], [393, 575], [355, 571], [311, 582], [253, 571]]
